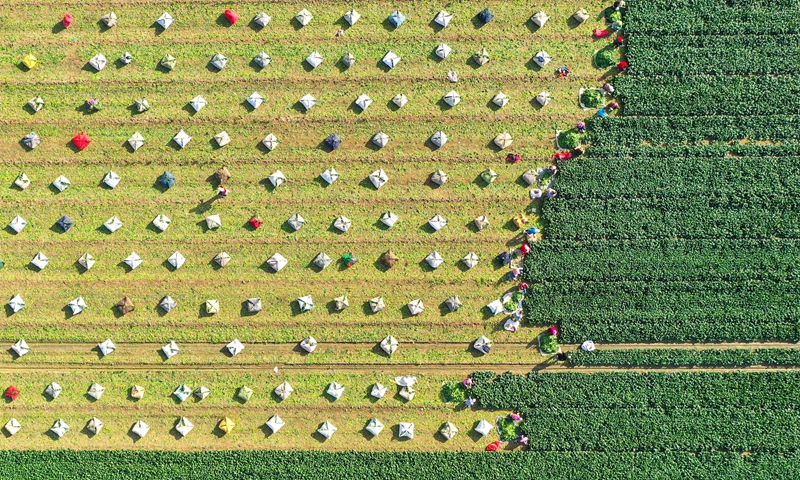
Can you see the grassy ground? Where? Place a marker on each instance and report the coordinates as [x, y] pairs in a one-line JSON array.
[[303, 412], [64, 82], [408, 160], [266, 355]]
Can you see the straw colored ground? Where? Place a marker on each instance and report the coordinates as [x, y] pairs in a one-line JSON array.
[[64, 82]]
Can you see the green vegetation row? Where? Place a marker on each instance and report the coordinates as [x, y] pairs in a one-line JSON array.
[[717, 216], [633, 131], [661, 232], [675, 173], [733, 429], [709, 95], [289, 465], [713, 17], [631, 390], [680, 311], [732, 54], [665, 260], [680, 357], [680, 152]]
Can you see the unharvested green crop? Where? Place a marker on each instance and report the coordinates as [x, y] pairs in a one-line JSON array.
[[675, 357], [117, 465]]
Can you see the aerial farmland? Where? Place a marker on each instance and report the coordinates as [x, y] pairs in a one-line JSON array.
[[410, 240]]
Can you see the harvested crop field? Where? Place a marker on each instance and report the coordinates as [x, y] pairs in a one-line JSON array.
[[306, 239]]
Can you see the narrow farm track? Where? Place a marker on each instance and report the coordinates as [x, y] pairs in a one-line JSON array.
[[368, 368], [355, 358]]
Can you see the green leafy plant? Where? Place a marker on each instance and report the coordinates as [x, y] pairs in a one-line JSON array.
[[591, 98], [508, 429], [569, 139], [605, 58], [420, 465], [613, 15], [454, 392], [510, 306], [654, 411], [548, 343], [675, 357]]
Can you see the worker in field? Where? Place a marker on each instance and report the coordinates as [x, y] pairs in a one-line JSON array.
[[222, 192]]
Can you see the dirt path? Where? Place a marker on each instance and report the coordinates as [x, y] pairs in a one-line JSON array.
[[357, 358]]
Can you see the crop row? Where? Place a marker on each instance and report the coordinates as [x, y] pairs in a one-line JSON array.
[[205, 21], [678, 176], [717, 150], [507, 56], [709, 311], [713, 54], [283, 465], [684, 217], [709, 95], [712, 17], [631, 390], [633, 131], [680, 357], [664, 259], [652, 429]]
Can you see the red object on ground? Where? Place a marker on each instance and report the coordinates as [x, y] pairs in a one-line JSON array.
[[621, 66], [563, 155], [493, 447], [12, 393], [553, 331], [600, 33], [513, 157], [256, 222], [81, 140], [232, 16], [67, 20]]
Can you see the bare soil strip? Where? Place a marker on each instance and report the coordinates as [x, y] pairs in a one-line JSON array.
[[66, 357]]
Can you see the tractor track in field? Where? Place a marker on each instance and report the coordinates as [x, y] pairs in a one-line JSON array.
[[190, 38], [521, 79], [369, 368], [504, 196], [129, 357], [245, 160], [412, 122]]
